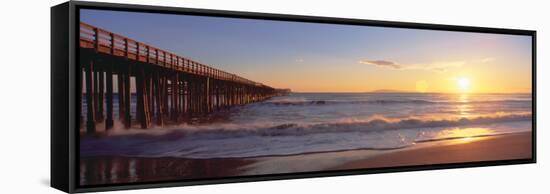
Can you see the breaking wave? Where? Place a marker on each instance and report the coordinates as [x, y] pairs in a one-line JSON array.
[[371, 124]]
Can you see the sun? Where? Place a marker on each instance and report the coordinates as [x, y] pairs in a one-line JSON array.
[[463, 84]]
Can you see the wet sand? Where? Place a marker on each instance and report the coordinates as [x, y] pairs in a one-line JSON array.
[[502, 147], [109, 170], [112, 170]]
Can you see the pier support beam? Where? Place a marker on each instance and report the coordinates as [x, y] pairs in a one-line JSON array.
[[142, 106], [109, 98], [208, 99], [90, 118], [127, 99], [100, 94], [158, 98], [120, 94]]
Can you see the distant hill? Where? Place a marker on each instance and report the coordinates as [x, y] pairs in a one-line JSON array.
[[390, 91]]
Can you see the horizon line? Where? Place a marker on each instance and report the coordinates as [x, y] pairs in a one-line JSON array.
[[411, 92]]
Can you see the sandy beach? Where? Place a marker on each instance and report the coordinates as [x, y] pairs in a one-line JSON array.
[[501, 147], [108, 170]]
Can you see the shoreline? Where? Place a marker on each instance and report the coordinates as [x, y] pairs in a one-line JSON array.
[[489, 148], [119, 169]]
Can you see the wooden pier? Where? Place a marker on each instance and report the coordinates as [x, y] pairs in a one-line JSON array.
[[168, 88]]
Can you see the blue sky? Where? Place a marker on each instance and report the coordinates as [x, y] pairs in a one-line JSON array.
[[330, 57]]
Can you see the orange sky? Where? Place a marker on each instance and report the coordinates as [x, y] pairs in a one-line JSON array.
[[313, 57]]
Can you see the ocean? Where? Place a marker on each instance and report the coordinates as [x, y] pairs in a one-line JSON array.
[[301, 123]]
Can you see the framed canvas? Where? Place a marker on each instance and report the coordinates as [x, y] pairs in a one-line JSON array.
[[146, 96]]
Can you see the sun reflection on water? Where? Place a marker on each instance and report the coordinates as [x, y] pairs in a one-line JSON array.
[[465, 140], [464, 132], [462, 135], [464, 108]]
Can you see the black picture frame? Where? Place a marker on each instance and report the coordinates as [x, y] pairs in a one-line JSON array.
[[64, 94]]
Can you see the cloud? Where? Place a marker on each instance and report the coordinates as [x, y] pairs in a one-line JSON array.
[[439, 66], [487, 60], [381, 63], [436, 67]]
